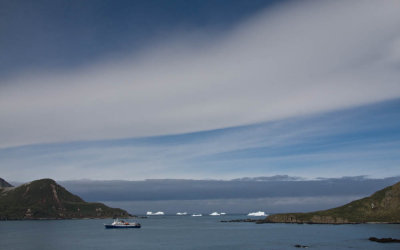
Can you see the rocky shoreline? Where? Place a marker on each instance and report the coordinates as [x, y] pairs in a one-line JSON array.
[[267, 221], [72, 218], [76, 218], [241, 220], [294, 219], [384, 240]]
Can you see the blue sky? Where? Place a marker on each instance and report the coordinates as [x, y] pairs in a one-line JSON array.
[[63, 34], [139, 90]]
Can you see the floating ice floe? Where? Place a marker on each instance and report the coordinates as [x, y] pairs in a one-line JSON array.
[[156, 213], [179, 213], [215, 214], [196, 215], [259, 213], [222, 213]]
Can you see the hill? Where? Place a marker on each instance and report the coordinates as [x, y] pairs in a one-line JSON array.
[[381, 207], [45, 199], [4, 184]]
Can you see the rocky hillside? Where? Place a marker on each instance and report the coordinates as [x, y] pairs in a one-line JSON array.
[[4, 184], [383, 207], [45, 199]]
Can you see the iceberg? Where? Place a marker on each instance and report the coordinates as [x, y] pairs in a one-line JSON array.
[[259, 213], [157, 213], [215, 214], [196, 215], [179, 213], [222, 213]]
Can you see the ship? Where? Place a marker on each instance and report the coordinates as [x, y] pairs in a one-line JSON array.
[[122, 224]]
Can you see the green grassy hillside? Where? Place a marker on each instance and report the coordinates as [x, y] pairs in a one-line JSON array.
[[383, 206], [45, 199]]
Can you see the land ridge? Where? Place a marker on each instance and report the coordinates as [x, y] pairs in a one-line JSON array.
[[381, 207], [45, 199]]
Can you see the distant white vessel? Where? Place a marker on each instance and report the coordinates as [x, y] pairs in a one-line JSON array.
[[179, 213], [215, 214], [259, 213], [156, 213], [122, 224], [196, 215]]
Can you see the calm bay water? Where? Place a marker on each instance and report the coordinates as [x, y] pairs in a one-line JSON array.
[[186, 232]]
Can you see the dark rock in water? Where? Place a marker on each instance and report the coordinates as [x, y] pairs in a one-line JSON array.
[[45, 199], [384, 240], [300, 246], [381, 207], [4, 184], [240, 220]]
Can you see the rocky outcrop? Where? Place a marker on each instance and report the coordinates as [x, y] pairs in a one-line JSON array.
[[381, 207], [240, 220], [4, 184], [384, 240], [301, 246], [45, 199]]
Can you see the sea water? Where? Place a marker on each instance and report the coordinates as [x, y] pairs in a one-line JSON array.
[[187, 232]]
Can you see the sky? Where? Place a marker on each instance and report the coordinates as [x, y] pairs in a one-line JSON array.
[[199, 90]]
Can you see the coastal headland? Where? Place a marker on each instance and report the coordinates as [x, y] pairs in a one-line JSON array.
[[381, 207], [45, 199]]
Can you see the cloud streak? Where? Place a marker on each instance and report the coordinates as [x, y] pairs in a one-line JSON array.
[[346, 143], [289, 60]]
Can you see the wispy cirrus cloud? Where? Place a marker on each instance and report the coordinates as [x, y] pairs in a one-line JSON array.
[[290, 60], [363, 140]]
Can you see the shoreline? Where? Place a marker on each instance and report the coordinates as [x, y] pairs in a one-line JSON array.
[[308, 223], [85, 218]]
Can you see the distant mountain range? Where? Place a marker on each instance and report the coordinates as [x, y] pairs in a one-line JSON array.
[[381, 207], [45, 199]]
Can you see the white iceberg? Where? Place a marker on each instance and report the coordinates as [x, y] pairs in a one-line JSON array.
[[196, 215], [179, 213], [157, 213], [215, 214], [259, 213], [222, 213]]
